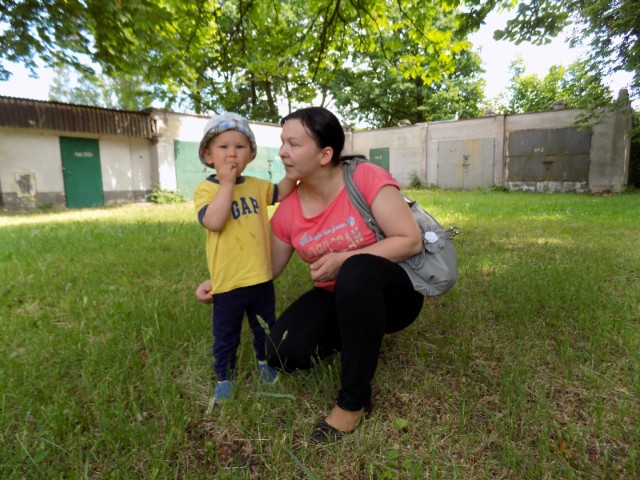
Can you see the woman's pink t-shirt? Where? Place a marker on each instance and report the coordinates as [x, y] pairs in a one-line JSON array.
[[339, 228]]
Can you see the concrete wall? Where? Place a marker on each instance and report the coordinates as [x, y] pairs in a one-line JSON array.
[[539, 121], [25, 152], [132, 167], [610, 150], [407, 149], [478, 128], [608, 156], [125, 163], [416, 148], [189, 128]]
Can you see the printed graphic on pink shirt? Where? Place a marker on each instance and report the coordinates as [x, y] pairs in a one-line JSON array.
[[339, 237], [338, 228]]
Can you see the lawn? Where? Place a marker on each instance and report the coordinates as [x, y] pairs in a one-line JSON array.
[[528, 369]]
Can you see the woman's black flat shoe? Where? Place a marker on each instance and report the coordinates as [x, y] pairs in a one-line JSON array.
[[324, 433]]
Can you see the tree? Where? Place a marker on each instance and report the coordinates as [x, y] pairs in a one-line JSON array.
[[530, 93], [583, 87], [380, 90], [611, 28], [376, 96], [124, 92], [253, 56], [53, 31], [289, 52], [576, 86]]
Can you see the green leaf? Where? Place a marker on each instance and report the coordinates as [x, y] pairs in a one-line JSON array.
[[401, 424]]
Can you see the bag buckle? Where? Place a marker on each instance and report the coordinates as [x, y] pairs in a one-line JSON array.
[[452, 232]]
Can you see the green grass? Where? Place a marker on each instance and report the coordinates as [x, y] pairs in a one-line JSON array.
[[529, 368]]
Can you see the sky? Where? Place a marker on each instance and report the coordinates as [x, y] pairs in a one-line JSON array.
[[496, 57]]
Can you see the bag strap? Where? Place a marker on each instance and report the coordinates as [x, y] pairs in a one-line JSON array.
[[349, 165]]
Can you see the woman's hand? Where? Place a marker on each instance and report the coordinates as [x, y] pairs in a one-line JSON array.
[[326, 268], [395, 219], [202, 292]]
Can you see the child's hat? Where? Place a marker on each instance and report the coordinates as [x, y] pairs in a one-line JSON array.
[[221, 123]]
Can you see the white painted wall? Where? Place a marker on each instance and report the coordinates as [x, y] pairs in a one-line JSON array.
[[25, 151], [407, 149], [190, 128], [126, 164], [137, 165]]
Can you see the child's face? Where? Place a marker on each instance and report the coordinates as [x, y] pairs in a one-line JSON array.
[[228, 147]]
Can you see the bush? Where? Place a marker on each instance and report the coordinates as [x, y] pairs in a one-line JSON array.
[[47, 207], [161, 196], [414, 181], [499, 188]]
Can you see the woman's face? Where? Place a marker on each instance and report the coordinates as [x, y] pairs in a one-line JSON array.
[[299, 152]]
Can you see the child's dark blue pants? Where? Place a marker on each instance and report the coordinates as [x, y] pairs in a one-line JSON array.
[[229, 309]]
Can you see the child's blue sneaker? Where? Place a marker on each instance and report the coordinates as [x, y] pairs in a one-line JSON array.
[[267, 374], [223, 391]]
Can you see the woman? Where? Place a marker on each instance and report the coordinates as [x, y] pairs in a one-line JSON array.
[[360, 292]]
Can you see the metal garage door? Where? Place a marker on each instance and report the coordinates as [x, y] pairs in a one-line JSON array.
[[550, 155], [189, 170], [266, 165], [466, 164]]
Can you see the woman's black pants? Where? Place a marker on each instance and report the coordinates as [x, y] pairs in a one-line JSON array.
[[372, 296]]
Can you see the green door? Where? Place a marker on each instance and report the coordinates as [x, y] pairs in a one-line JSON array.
[[259, 166], [380, 156], [267, 165], [81, 172], [276, 167], [189, 170]]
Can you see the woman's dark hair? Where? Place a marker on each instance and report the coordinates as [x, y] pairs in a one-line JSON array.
[[323, 126]]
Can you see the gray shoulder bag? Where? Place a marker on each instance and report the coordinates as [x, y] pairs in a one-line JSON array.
[[433, 271]]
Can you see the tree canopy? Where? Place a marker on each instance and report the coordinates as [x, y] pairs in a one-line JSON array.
[[263, 58], [252, 56], [125, 92], [377, 96], [577, 86], [611, 28]]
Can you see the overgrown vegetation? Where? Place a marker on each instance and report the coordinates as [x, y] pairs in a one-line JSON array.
[[575, 86], [609, 28], [162, 196], [528, 368], [415, 182]]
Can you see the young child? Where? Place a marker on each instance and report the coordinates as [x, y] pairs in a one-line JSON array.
[[233, 209]]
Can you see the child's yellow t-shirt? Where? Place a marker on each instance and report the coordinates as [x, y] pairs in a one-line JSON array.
[[238, 255]]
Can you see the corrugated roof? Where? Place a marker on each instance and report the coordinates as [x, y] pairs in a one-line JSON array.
[[36, 114]]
